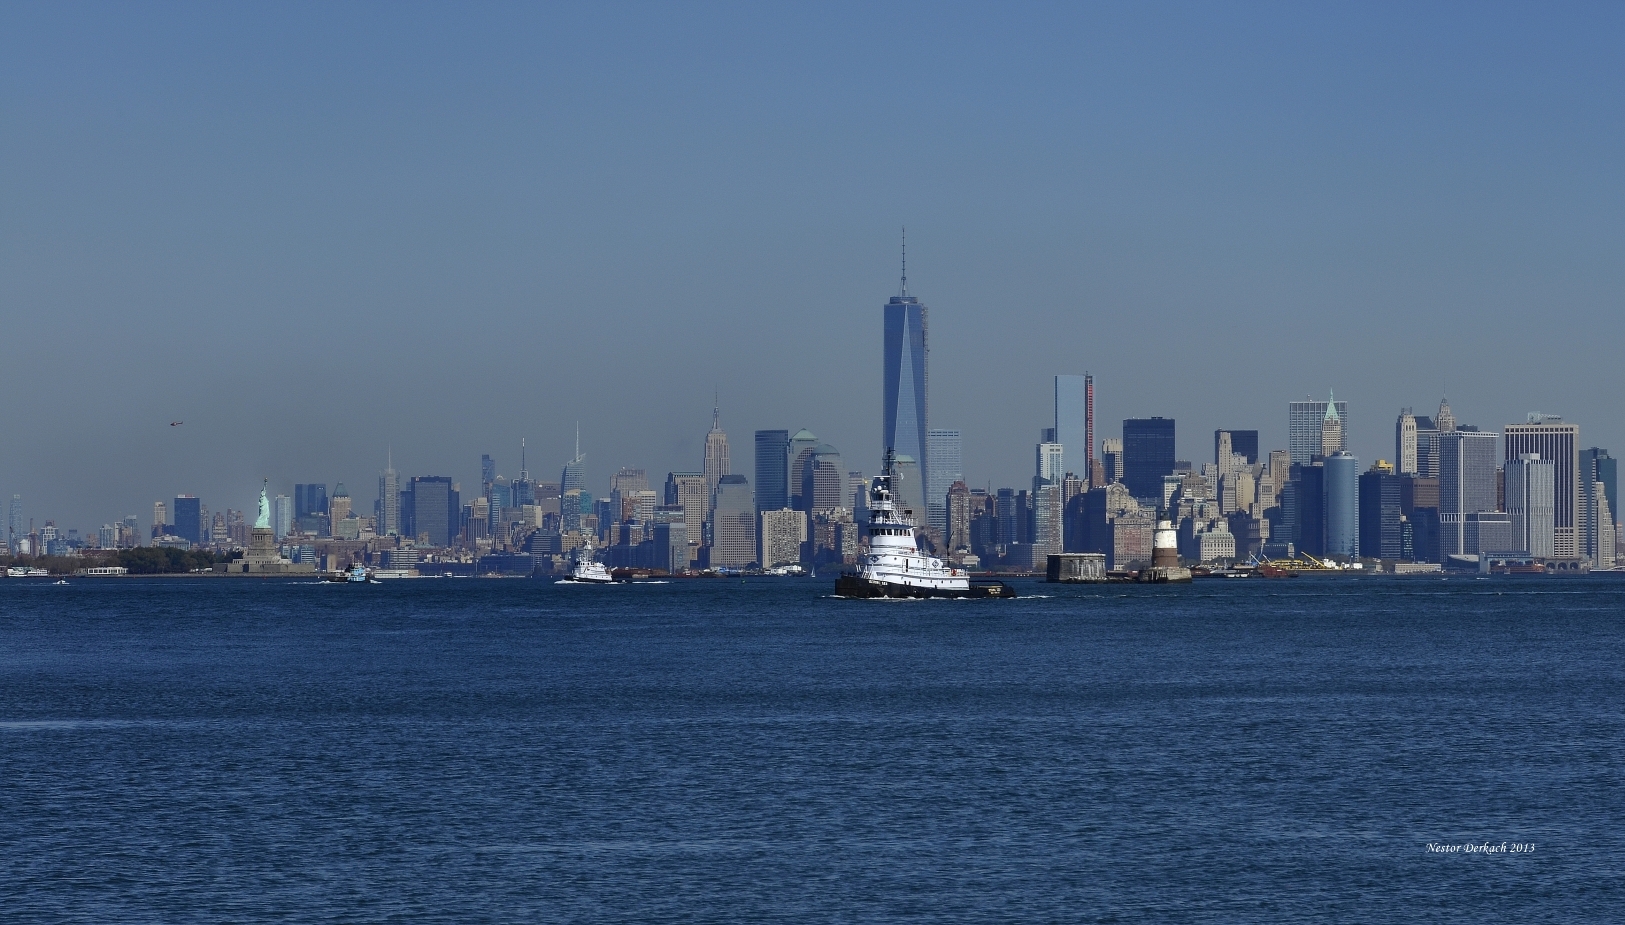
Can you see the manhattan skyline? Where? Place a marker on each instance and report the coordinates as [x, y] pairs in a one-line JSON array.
[[439, 234]]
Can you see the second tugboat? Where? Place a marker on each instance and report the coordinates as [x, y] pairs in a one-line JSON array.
[[588, 570], [894, 566]]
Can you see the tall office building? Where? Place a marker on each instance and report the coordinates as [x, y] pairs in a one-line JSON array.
[[388, 509], [733, 543], [1445, 421], [907, 409], [1148, 455], [1598, 476], [160, 516], [488, 474], [1530, 493], [1381, 517], [1048, 527], [1467, 467], [1305, 420], [282, 515], [772, 471], [1111, 452], [823, 480], [716, 455], [1342, 504], [1331, 431], [574, 477], [437, 511], [908, 488], [799, 453], [310, 507], [1050, 462], [1243, 443], [783, 534], [687, 489], [1553, 440], [1405, 442], [14, 522], [1074, 397], [188, 514], [944, 448]]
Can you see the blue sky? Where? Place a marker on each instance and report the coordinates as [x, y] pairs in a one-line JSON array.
[[314, 232]]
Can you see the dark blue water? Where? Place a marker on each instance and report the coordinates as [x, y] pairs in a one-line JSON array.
[[497, 751]]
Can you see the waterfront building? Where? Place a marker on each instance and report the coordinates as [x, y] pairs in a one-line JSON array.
[[1305, 420], [906, 380], [943, 448], [1467, 467], [1598, 472], [772, 470], [784, 533], [1148, 455], [1381, 531], [1551, 439], [733, 519], [1530, 497], [671, 546]]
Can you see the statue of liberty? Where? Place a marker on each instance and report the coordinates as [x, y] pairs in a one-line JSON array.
[[264, 520]]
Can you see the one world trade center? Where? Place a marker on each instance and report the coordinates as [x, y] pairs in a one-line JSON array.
[[906, 404]]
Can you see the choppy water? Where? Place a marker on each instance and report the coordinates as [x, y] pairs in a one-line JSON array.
[[496, 751]]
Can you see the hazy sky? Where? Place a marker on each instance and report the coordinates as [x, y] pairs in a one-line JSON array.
[[316, 232]]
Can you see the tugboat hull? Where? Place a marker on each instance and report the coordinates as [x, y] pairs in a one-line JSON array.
[[853, 586]]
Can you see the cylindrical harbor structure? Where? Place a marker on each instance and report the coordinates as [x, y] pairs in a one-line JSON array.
[[1165, 546]]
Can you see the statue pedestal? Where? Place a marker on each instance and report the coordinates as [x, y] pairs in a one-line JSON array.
[[264, 558]]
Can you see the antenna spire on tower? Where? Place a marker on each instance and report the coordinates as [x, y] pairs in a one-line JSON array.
[[905, 260], [716, 410]]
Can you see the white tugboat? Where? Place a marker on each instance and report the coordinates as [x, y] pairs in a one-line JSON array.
[[894, 565], [588, 570]]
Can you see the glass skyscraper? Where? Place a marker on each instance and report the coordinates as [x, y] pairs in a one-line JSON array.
[[1304, 422], [772, 470], [1148, 455], [1072, 424], [906, 383], [945, 448]]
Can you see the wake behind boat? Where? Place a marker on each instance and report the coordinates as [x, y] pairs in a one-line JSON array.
[[895, 567]]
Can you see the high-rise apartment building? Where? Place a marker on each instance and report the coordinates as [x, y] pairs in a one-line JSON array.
[[282, 515], [1148, 455], [906, 415], [1050, 463], [1048, 527], [1467, 465], [1599, 482], [784, 533], [944, 448], [1304, 422], [772, 471], [733, 519], [1553, 440]]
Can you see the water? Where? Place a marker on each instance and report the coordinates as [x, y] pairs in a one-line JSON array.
[[496, 751]]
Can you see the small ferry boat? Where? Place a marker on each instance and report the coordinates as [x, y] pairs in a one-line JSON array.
[[357, 575], [894, 565]]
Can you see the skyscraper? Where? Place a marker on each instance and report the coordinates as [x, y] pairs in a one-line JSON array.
[[1530, 488], [1405, 442], [1148, 455], [488, 474], [1381, 533], [687, 489], [716, 455], [799, 453], [282, 515], [436, 509], [189, 516], [389, 498], [1304, 422], [1331, 431], [1552, 440], [944, 447], [1050, 462], [1342, 504], [14, 526], [733, 516], [1243, 443], [1598, 476], [1072, 420], [772, 470], [1466, 484], [575, 473], [907, 409]]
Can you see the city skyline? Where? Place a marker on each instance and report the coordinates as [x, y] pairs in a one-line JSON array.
[[405, 246]]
